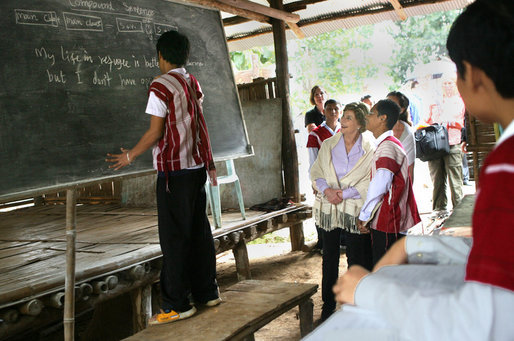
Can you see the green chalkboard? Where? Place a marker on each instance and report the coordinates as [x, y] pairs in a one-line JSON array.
[[73, 86]]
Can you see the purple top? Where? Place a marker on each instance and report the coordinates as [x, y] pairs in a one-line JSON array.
[[343, 162]]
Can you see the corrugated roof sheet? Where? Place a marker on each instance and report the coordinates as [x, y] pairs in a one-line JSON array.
[[332, 15]]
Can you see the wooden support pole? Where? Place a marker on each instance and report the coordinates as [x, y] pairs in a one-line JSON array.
[[306, 317], [141, 299], [297, 237], [289, 154], [69, 285], [242, 263]]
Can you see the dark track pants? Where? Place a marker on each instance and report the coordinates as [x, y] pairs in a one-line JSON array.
[[189, 258]]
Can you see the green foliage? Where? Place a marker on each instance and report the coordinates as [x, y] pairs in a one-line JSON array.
[[243, 59], [346, 61], [324, 59], [419, 40], [240, 61], [270, 238], [335, 60]]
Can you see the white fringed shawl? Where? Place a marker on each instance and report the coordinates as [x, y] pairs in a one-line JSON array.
[[343, 215]]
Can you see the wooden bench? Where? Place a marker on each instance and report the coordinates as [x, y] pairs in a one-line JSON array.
[[246, 307]]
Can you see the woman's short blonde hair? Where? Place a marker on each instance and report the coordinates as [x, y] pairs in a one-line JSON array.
[[360, 110], [313, 92]]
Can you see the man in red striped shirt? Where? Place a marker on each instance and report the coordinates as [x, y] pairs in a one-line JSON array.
[[332, 112], [181, 154], [390, 208]]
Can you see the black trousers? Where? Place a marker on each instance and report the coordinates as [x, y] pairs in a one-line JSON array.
[[189, 258], [330, 270], [381, 242], [358, 250]]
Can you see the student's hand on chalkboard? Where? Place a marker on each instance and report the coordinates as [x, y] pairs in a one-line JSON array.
[[119, 160], [212, 177]]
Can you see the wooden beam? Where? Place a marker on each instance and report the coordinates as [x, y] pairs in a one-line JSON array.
[[384, 8], [264, 10], [232, 9], [299, 5], [398, 9], [296, 30], [290, 7], [235, 20]]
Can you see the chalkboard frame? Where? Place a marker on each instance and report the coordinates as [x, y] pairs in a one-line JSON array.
[[131, 171]]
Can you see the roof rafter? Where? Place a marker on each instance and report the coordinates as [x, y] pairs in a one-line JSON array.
[[290, 7], [264, 10], [369, 10], [398, 9]]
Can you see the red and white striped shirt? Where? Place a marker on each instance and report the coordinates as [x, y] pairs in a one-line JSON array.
[[185, 143], [398, 211], [316, 138]]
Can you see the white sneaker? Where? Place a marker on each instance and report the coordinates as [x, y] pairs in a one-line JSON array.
[[214, 302]]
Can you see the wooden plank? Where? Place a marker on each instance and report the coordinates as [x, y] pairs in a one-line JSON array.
[[246, 307]]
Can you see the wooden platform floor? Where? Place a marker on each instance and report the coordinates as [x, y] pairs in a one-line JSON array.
[[109, 238]]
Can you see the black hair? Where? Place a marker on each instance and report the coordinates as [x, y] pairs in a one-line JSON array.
[[483, 35], [390, 109], [332, 101], [174, 47], [404, 104], [365, 97]]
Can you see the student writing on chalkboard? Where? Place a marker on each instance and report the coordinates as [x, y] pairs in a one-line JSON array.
[[182, 156]]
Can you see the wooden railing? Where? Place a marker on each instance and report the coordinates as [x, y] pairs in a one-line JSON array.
[[260, 89], [481, 140]]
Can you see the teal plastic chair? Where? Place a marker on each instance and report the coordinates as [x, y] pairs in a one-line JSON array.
[[213, 193]]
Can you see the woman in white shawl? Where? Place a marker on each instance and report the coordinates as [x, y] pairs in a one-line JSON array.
[[341, 176]]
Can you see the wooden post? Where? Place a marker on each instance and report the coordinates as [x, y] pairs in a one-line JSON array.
[[297, 237], [242, 263], [472, 137], [289, 155], [306, 317], [141, 299], [69, 285]]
